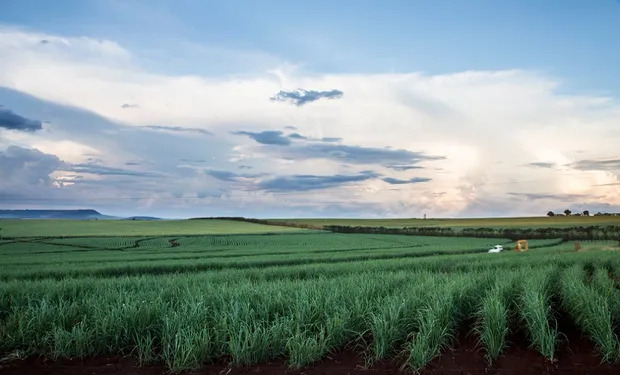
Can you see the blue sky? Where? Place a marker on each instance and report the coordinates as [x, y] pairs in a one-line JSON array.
[[237, 100], [563, 38]]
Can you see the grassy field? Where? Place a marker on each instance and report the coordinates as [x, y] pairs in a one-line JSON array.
[[512, 222], [185, 293], [58, 228]]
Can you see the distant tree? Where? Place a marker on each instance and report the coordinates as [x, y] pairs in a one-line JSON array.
[[586, 213], [567, 212], [550, 213]]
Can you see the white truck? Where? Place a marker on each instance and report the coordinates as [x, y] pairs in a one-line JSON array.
[[497, 249]]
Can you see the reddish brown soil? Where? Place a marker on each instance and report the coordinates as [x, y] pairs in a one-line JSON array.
[[575, 356]]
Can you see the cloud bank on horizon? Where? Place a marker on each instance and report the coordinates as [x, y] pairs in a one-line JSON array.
[[470, 143]]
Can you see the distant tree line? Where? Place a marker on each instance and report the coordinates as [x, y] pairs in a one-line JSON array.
[[568, 212], [261, 221], [611, 232]]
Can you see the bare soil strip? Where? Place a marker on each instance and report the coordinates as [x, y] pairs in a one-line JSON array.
[[576, 356]]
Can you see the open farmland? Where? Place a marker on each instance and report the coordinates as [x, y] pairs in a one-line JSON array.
[[116, 228], [208, 294]]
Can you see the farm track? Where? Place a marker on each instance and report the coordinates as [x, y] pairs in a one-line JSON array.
[[80, 248]]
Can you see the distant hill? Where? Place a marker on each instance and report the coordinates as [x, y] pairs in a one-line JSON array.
[[53, 214]]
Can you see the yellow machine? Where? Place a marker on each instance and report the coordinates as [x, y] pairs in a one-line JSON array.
[[522, 245]]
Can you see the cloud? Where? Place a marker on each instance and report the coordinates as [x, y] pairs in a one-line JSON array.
[[415, 180], [267, 137], [404, 167], [541, 165], [300, 137], [178, 129], [227, 175], [301, 96], [108, 171], [19, 165], [558, 197], [12, 121], [356, 154], [297, 136], [193, 161], [127, 106], [452, 115], [324, 148], [312, 182], [597, 165]]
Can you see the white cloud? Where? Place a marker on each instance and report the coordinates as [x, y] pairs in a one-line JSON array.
[[66, 150], [488, 124]]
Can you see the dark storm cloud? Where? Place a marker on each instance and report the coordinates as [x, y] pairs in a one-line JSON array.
[[403, 167], [178, 129], [559, 197], [227, 175], [20, 165], [415, 180], [300, 97], [313, 182], [267, 137], [542, 165], [597, 165], [13, 121]]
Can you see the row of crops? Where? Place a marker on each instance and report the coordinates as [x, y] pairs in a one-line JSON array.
[[185, 321], [186, 301]]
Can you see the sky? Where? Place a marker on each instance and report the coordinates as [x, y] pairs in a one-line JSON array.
[[310, 109]]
